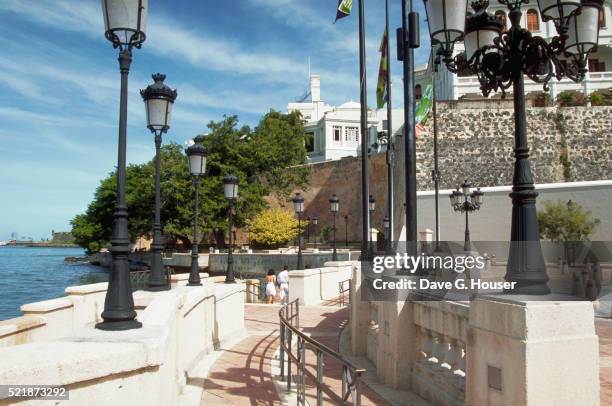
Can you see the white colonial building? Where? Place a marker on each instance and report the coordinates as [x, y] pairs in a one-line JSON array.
[[451, 86], [334, 132]]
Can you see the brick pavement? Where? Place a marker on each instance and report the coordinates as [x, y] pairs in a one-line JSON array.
[[241, 375], [604, 331]]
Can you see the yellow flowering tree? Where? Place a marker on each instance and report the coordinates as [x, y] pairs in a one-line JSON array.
[[273, 228]]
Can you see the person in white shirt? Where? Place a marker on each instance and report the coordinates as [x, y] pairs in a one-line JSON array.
[[283, 283]]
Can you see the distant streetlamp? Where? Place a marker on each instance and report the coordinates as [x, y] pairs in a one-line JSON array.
[[298, 207], [387, 227], [501, 59], [159, 100], [346, 219], [465, 200], [334, 207], [315, 221], [197, 155], [125, 25], [308, 230], [230, 188]]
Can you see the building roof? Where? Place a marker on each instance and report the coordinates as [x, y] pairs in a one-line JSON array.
[[350, 105]]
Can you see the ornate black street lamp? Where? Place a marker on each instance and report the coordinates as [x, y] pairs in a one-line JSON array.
[[466, 201], [197, 155], [334, 207], [159, 100], [125, 26], [346, 219], [298, 207], [230, 189], [315, 221], [500, 60]]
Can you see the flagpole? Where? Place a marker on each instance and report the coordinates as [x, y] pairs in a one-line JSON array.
[[390, 143], [436, 174], [365, 237], [410, 33]]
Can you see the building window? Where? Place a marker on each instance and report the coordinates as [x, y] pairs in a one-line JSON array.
[[418, 92], [351, 134], [501, 16], [533, 21], [602, 18], [337, 133], [309, 142], [595, 65]]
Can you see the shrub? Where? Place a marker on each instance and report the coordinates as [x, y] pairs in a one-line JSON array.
[[601, 97], [541, 99], [565, 222], [570, 98], [273, 228]]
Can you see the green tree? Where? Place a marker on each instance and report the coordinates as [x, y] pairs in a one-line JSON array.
[[253, 156]]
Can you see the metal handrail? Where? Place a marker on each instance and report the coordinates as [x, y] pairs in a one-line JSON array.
[[343, 288], [289, 327]]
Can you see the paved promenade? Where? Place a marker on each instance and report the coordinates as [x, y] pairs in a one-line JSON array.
[[241, 376]]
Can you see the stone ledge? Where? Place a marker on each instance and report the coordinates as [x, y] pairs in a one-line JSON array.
[[90, 355], [19, 324], [87, 289], [47, 306]]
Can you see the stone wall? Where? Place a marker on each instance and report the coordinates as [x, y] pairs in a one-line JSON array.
[[474, 143]]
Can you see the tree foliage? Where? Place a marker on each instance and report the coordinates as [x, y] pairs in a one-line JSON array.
[[272, 228], [566, 222], [258, 158]]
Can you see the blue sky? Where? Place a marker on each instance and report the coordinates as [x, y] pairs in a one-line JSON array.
[[60, 85]]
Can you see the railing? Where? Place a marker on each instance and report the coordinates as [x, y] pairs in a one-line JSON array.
[[295, 353], [344, 289], [139, 279]]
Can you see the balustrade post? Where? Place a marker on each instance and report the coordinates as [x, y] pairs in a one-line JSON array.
[[319, 377]]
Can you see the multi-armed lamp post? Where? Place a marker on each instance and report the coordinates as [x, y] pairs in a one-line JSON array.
[[464, 200], [298, 207], [500, 60], [230, 189], [125, 26], [159, 100], [197, 155], [334, 207]]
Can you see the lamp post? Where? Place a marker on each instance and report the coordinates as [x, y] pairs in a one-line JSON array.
[[125, 26], [409, 41], [466, 201], [159, 100], [334, 207], [346, 219], [230, 189], [197, 155], [371, 209], [387, 227], [298, 207], [315, 221], [500, 60]]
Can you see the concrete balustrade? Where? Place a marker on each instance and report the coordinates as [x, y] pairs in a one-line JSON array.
[[496, 350], [314, 286], [151, 365]]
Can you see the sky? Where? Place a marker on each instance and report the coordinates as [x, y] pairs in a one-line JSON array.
[[59, 88]]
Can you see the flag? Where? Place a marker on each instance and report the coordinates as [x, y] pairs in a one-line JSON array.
[[344, 9], [425, 105], [383, 74]]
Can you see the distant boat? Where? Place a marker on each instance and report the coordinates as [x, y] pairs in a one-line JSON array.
[[3, 243]]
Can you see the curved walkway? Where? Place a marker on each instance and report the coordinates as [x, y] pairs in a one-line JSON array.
[[242, 376]]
